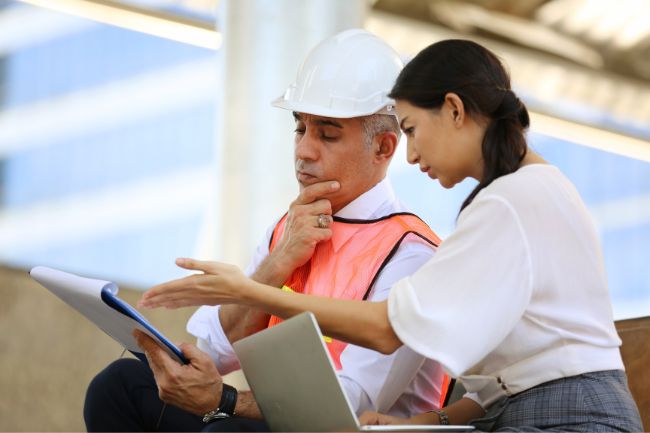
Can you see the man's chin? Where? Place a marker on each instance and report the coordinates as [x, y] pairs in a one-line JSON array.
[[304, 181]]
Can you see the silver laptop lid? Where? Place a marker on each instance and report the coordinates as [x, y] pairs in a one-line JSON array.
[[296, 386], [293, 378]]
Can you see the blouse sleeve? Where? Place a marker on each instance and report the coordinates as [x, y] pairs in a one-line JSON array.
[[460, 305]]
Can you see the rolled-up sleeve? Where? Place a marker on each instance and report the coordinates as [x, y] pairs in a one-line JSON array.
[[211, 339]]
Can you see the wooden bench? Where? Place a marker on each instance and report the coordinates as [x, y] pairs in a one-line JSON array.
[[635, 334]]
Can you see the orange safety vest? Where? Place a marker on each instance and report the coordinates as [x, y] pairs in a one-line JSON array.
[[346, 266]]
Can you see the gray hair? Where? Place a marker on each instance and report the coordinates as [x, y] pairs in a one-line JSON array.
[[376, 124]]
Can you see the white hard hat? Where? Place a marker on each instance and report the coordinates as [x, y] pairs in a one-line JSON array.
[[347, 75]]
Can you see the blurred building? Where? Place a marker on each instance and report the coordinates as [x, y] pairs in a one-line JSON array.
[[102, 130]]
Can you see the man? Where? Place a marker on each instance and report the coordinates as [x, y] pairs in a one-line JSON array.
[[346, 235]]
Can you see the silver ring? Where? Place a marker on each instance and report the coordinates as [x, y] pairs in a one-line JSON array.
[[323, 221]]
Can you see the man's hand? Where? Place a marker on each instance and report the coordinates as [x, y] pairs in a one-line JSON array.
[[294, 249], [194, 387], [301, 233]]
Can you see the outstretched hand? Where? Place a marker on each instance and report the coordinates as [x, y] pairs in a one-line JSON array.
[[220, 283]]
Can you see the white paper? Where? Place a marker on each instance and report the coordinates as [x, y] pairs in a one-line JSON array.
[[85, 296]]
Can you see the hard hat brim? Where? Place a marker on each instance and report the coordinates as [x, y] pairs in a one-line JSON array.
[[317, 110]]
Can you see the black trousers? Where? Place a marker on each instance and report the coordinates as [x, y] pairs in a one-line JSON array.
[[124, 397]]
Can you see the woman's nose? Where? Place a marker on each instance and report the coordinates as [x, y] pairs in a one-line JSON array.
[[412, 156]]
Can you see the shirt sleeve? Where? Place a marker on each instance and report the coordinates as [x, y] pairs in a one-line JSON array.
[[459, 306], [205, 325], [373, 381]]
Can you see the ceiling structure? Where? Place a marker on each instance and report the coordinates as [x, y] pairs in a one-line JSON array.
[[601, 34], [607, 35], [189, 22], [586, 61]]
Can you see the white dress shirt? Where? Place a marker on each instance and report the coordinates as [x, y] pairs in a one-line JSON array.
[[523, 283], [401, 384]]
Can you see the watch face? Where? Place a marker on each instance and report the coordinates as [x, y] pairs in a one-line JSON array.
[[213, 415], [226, 407]]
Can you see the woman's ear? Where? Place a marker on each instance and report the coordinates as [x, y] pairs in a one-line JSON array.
[[456, 108]]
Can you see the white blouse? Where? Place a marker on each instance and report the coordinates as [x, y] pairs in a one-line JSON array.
[[517, 295]]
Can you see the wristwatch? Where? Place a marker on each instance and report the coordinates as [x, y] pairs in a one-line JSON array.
[[226, 407]]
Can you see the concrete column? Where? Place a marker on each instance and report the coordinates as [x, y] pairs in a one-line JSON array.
[[264, 42]]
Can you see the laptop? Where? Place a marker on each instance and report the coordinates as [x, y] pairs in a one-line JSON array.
[[296, 386]]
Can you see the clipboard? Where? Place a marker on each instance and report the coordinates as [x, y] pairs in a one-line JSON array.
[[97, 300]]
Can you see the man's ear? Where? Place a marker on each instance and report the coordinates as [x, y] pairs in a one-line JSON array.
[[455, 108], [385, 145]]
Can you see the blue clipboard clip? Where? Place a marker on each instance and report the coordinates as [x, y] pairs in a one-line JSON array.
[[119, 305]]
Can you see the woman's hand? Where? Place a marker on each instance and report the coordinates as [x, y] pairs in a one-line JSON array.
[[375, 418], [220, 283]]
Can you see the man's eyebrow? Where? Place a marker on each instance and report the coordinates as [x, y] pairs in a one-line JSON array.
[[321, 122], [328, 122]]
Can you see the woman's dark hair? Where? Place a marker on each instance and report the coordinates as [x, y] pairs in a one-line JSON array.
[[479, 79]]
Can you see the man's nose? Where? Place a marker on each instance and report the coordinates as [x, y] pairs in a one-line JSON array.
[[307, 148]]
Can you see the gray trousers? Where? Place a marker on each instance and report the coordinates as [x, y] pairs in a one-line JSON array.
[[590, 402]]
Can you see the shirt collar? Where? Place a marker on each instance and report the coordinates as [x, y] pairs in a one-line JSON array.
[[368, 204], [365, 207]]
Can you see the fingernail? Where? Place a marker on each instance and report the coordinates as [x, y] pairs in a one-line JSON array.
[[335, 185]]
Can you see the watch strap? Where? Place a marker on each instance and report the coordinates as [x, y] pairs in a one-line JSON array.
[[226, 407]]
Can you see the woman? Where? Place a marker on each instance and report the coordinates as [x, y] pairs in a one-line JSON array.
[[515, 302]]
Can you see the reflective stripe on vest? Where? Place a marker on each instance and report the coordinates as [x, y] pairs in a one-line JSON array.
[[347, 265]]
